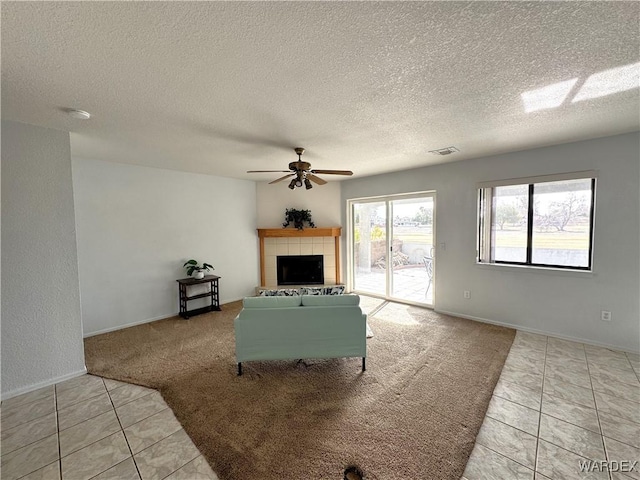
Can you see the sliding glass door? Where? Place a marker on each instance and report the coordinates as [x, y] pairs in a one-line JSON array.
[[412, 249], [392, 247], [369, 227]]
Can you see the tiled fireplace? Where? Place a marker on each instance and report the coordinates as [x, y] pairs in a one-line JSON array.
[[310, 241]]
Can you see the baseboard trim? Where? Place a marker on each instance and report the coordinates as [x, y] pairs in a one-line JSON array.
[[127, 325], [148, 320], [45, 383], [534, 330]]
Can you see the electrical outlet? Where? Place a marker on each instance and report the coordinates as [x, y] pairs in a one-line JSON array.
[[605, 316], [443, 246], [467, 294]]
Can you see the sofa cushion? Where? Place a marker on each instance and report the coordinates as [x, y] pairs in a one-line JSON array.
[[329, 300], [271, 302]]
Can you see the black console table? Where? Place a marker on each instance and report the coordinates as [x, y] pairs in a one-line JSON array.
[[213, 292]]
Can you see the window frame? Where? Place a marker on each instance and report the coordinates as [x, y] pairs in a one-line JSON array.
[[485, 220]]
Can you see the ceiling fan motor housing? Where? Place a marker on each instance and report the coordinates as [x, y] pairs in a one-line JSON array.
[[298, 166]]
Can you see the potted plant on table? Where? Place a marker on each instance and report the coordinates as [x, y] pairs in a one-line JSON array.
[[195, 270]]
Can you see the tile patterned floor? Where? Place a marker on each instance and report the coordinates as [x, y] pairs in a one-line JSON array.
[[95, 428], [559, 403]]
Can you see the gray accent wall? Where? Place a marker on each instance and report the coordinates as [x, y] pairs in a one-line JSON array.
[[41, 320], [561, 303]]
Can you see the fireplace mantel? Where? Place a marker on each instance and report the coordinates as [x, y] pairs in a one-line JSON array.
[[294, 232], [334, 232]]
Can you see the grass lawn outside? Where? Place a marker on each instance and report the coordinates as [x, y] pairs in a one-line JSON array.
[[575, 237]]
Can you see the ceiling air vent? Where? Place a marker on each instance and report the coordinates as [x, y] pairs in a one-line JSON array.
[[444, 151]]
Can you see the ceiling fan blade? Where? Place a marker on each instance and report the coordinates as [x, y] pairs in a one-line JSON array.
[[268, 171], [315, 179], [282, 178], [333, 172]]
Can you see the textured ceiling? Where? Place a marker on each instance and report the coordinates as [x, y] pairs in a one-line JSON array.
[[225, 87]]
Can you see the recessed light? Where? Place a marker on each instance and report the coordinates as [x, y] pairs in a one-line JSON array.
[[79, 114]]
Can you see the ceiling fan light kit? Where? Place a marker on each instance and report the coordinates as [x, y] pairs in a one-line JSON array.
[[302, 173], [296, 182]]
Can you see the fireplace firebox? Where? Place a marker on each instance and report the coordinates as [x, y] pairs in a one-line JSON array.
[[300, 270]]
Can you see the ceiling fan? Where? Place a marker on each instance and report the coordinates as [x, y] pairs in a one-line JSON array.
[[301, 173]]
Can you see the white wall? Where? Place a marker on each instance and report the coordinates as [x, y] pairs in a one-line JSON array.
[[0, 279], [566, 304], [41, 321], [137, 226], [322, 200]]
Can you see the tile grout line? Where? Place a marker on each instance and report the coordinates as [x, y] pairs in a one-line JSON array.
[[515, 428], [593, 393], [21, 405], [177, 431], [601, 433], [554, 416], [544, 369], [30, 443], [635, 384], [141, 420], [55, 401], [158, 441], [134, 400], [566, 450], [508, 425], [505, 456], [39, 417], [81, 401], [96, 441], [632, 367], [121, 427], [551, 395]]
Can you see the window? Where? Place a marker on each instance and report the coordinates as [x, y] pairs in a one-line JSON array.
[[539, 221]]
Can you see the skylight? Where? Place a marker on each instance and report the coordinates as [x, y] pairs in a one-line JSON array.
[[610, 81], [550, 96]]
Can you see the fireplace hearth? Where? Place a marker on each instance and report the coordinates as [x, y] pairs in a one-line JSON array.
[[300, 269]]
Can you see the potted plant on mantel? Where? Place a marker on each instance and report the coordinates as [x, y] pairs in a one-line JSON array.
[[298, 217], [195, 270]]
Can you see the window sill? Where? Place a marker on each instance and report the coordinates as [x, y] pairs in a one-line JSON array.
[[569, 272]]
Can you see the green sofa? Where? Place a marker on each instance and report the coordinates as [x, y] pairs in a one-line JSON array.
[[300, 326]]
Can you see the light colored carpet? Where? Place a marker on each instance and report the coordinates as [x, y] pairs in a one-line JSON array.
[[414, 414]]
